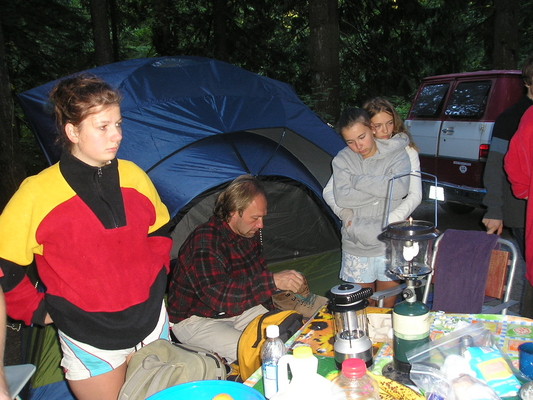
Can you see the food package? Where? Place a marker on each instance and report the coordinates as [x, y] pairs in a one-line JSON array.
[[492, 368], [456, 355]]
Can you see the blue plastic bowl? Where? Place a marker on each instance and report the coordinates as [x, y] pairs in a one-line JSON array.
[[206, 390]]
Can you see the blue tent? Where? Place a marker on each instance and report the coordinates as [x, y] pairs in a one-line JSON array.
[[194, 124]]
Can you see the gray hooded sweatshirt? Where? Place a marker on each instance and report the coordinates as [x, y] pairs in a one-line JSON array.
[[363, 186]]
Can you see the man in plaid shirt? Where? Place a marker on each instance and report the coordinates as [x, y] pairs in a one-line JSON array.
[[220, 282]]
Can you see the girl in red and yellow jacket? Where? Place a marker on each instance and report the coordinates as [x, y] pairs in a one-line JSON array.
[[98, 233]]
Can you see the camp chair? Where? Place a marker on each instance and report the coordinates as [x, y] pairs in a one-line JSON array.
[[499, 272], [17, 376]]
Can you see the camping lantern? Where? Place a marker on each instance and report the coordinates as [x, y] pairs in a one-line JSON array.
[[348, 304], [410, 247], [410, 250]]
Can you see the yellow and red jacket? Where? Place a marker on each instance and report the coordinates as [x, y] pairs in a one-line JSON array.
[[99, 238]]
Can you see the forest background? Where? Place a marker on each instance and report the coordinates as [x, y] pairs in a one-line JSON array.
[[335, 53]]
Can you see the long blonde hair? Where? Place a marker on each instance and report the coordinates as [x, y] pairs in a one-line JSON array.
[[379, 104]]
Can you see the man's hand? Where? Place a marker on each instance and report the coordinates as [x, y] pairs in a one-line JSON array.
[[288, 280], [493, 225]]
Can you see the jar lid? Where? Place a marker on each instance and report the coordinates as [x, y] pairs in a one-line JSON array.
[[302, 352], [347, 294], [353, 368], [272, 331]]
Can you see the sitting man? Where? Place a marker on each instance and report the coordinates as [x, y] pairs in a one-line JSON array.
[[221, 283]]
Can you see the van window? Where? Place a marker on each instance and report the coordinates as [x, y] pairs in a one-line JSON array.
[[429, 101], [469, 99]]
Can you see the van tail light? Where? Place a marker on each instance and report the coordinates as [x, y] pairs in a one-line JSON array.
[[483, 152]]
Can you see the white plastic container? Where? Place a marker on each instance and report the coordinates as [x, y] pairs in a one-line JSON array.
[[306, 382]]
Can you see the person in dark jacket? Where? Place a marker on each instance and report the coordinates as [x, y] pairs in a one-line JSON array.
[[503, 208]]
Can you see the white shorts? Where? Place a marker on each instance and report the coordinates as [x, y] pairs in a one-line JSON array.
[[82, 361], [364, 269]]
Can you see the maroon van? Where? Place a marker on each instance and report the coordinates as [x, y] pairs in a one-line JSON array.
[[451, 120]]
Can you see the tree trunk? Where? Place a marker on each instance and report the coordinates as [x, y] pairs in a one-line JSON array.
[[114, 29], [103, 47], [219, 30], [506, 37], [162, 37], [324, 57], [10, 157]]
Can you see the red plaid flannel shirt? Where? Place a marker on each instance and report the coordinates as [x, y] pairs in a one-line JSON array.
[[219, 274]]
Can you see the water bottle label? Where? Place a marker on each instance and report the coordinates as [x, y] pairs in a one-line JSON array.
[[270, 380]]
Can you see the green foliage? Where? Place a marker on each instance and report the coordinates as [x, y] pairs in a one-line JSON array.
[[389, 46], [44, 40], [265, 37], [526, 33], [386, 46]]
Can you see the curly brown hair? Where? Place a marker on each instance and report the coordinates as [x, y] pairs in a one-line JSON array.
[[75, 98]]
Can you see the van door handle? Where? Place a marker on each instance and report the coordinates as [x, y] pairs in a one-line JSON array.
[[448, 131]]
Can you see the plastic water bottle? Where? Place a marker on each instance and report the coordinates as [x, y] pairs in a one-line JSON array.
[[353, 383], [273, 349]]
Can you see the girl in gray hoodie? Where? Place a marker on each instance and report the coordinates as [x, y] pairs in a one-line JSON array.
[[361, 177]]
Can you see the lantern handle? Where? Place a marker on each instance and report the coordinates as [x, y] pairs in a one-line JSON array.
[[414, 173]]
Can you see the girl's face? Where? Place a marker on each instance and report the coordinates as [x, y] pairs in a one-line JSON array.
[[359, 139], [383, 125], [97, 139]]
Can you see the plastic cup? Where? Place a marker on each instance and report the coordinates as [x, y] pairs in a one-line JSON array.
[[525, 359]]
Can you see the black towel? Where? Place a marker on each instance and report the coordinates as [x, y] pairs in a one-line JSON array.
[[461, 270]]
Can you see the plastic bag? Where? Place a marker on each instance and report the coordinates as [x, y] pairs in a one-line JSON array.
[[491, 367], [431, 382], [466, 387], [437, 385], [446, 356]]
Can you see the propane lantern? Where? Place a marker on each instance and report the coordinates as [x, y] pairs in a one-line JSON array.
[[410, 251]]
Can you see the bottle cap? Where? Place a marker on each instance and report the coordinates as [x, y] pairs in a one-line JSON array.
[[302, 352], [272, 331], [353, 368]]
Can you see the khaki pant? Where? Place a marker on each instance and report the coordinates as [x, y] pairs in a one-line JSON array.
[[218, 335]]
